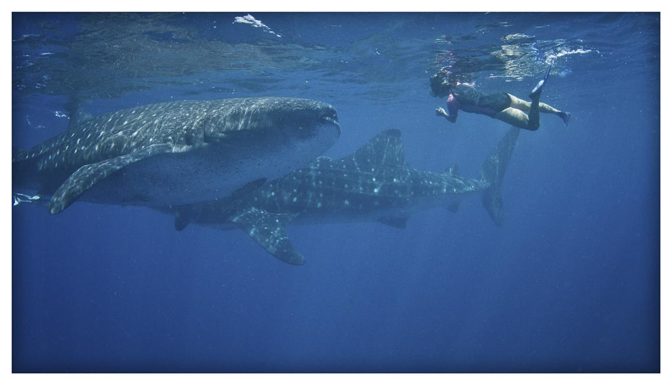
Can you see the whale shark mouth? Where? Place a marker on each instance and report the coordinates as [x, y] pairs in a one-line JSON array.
[[330, 116], [328, 122], [332, 120]]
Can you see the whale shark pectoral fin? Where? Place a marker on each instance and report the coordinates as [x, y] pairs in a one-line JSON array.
[[270, 231], [398, 222], [88, 175]]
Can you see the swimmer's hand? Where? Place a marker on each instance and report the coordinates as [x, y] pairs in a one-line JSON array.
[[441, 112]]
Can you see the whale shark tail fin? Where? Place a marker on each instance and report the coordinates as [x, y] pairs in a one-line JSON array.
[[492, 173]]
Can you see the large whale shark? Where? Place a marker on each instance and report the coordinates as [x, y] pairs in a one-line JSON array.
[[373, 184], [176, 153]]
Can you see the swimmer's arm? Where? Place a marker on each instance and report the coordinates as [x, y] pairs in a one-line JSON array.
[[441, 112], [453, 107], [451, 115]]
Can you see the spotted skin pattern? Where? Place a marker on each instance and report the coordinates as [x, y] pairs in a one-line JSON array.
[[197, 142], [373, 184]]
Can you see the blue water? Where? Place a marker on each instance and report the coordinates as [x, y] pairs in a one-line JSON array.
[[569, 282]]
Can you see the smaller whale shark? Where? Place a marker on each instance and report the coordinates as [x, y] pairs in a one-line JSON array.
[[176, 153], [373, 184]]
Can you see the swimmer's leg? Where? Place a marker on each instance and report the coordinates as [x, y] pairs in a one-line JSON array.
[[520, 119], [533, 116], [526, 106], [520, 104], [535, 95], [516, 117]]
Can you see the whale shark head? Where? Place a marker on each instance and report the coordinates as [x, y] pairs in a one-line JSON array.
[[290, 121], [309, 124], [267, 137], [241, 141]]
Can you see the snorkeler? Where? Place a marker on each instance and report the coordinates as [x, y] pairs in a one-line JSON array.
[[502, 106]]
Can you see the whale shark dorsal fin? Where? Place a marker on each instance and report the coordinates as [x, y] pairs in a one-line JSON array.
[[270, 231], [383, 150], [90, 174]]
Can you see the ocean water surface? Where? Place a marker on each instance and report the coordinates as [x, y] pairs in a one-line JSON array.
[[570, 281]]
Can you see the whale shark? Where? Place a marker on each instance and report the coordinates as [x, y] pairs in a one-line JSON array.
[[176, 153], [373, 184]]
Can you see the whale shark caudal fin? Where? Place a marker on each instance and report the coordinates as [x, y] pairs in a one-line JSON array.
[[270, 231], [88, 175], [492, 172]]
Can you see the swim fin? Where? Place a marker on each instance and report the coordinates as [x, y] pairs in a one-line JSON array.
[[536, 91]]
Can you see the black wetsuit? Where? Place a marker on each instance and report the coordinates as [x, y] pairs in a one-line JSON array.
[[470, 100]]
